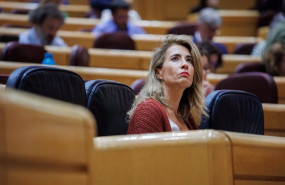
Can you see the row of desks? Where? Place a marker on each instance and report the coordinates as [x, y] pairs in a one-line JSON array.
[[127, 76], [274, 114], [137, 60], [52, 142], [143, 42], [235, 23]]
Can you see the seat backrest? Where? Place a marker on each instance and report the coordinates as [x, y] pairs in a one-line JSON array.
[[137, 85], [79, 56], [233, 110], [117, 40], [250, 67], [51, 82], [14, 51], [243, 48], [184, 28], [109, 102], [258, 83]]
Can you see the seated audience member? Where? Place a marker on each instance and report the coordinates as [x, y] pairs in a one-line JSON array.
[[274, 59], [172, 98], [207, 88], [278, 17], [46, 21], [215, 56], [98, 6], [119, 22], [42, 2], [205, 4], [276, 34], [133, 15], [209, 21]]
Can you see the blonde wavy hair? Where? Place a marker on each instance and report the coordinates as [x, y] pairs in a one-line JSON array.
[[273, 57], [192, 101]]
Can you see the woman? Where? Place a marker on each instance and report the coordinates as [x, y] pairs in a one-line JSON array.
[[171, 99], [274, 59]]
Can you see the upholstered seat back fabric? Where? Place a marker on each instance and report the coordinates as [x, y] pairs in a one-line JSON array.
[[14, 51], [116, 40], [109, 101], [258, 83], [250, 67], [184, 28], [233, 110], [51, 82]]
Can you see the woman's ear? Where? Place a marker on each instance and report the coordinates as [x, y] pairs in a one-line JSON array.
[[157, 74]]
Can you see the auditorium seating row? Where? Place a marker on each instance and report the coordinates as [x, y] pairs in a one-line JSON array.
[[274, 116], [148, 10], [51, 142], [235, 23], [143, 42], [139, 60]]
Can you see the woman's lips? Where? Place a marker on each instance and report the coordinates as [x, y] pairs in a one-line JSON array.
[[184, 74]]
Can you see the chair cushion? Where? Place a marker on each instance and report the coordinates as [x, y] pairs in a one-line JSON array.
[[14, 51], [50, 82], [258, 83], [116, 40], [109, 102], [233, 110]]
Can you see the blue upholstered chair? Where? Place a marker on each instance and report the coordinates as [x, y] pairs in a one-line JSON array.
[[51, 82], [234, 110], [109, 102]]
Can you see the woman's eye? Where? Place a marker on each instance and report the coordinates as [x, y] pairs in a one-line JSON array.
[[189, 60], [174, 58]]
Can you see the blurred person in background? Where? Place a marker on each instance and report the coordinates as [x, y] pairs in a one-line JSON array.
[[46, 21], [209, 22], [119, 21]]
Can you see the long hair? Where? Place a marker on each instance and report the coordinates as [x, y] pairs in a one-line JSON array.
[[192, 101]]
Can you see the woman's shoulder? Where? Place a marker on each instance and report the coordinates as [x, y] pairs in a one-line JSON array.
[[151, 103]]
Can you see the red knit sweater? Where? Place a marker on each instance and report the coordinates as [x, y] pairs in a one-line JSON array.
[[150, 116]]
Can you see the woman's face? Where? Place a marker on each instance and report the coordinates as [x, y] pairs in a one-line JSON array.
[[177, 69]]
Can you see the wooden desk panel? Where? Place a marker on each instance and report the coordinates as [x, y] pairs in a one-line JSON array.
[[71, 10], [74, 23], [144, 42], [44, 141]]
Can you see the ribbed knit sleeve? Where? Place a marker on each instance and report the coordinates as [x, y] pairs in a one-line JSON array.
[[149, 117]]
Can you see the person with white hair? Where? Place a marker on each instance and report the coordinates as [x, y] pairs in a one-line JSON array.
[[209, 21]]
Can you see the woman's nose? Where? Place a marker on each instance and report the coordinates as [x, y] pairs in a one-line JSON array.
[[185, 64]]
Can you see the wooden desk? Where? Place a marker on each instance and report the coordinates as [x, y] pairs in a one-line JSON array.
[[72, 2], [74, 23], [144, 42], [225, 158], [235, 22], [87, 73], [178, 9], [44, 141], [71, 10], [137, 60]]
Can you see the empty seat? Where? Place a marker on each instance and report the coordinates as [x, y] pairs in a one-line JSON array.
[[233, 110], [243, 48], [51, 82], [250, 67], [109, 102], [14, 51], [258, 83], [79, 56], [184, 28], [137, 85], [117, 40]]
